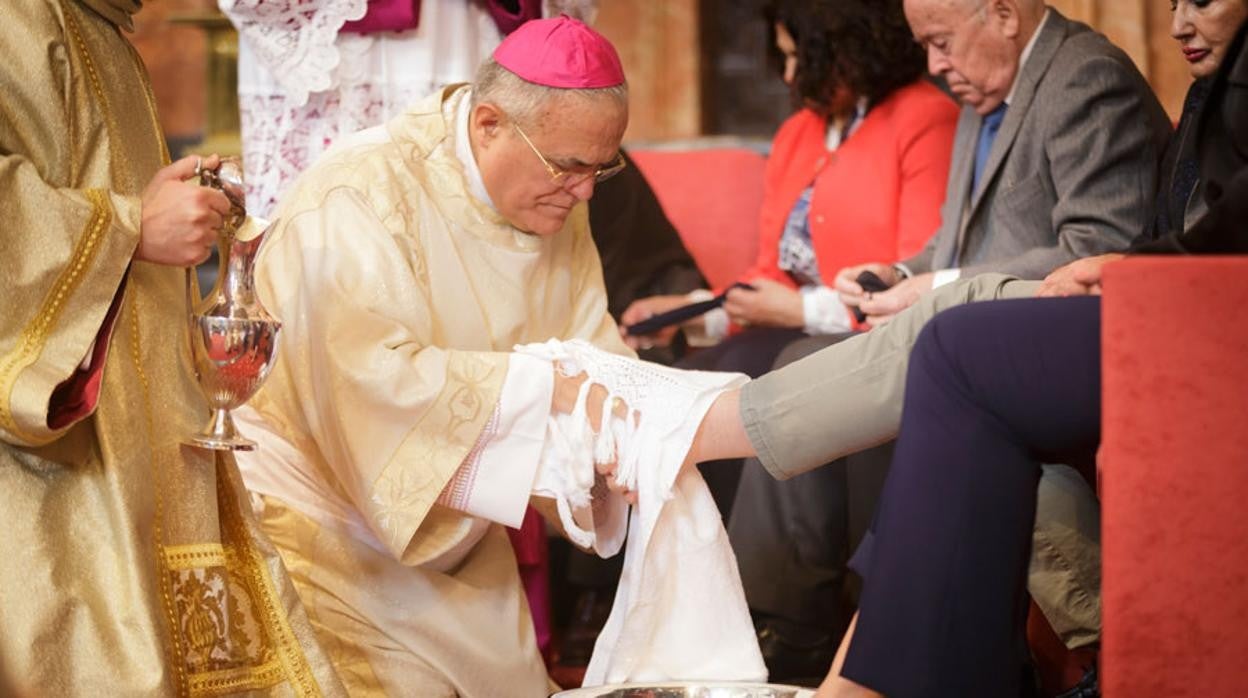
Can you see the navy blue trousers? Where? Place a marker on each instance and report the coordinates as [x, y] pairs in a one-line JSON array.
[[994, 389]]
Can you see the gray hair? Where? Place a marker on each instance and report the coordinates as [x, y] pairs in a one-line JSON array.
[[523, 100]]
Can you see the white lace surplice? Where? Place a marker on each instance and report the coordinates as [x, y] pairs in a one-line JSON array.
[[680, 611], [302, 85]]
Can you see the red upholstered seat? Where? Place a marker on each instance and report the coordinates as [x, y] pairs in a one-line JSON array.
[[1174, 478], [713, 197]]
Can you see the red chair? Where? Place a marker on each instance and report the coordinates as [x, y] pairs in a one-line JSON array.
[[713, 197], [1174, 478]]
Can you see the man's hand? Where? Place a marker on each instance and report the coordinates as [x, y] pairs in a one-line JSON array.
[[644, 309], [568, 387], [770, 304], [180, 219], [852, 293], [1081, 277], [564, 401], [881, 307]]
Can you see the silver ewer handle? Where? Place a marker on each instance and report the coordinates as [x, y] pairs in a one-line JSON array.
[[234, 339]]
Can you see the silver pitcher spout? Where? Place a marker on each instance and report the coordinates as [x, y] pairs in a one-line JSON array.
[[233, 338]]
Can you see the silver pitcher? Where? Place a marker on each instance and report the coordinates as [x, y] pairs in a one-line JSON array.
[[233, 338]]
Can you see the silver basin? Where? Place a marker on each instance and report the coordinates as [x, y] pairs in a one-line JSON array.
[[690, 689]]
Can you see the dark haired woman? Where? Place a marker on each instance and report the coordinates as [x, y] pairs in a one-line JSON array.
[[856, 173]]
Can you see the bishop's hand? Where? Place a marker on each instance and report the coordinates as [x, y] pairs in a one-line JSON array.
[[567, 390]]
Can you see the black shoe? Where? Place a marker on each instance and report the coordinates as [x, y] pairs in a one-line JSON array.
[[802, 659], [1088, 687]]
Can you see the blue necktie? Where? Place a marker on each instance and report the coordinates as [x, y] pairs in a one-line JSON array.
[[987, 134]]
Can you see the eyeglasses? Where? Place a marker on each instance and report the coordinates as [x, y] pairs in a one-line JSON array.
[[569, 179]]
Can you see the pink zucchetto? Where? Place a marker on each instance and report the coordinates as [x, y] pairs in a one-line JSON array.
[[561, 52]]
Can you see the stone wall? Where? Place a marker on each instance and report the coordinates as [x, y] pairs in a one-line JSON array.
[[175, 58], [671, 50], [1142, 29]]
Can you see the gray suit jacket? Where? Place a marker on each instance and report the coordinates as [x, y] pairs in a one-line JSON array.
[[1072, 172]]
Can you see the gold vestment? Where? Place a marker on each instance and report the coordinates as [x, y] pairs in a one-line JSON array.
[[401, 294], [130, 565]]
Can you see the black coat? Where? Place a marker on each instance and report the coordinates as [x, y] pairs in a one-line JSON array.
[[642, 254], [1222, 145]]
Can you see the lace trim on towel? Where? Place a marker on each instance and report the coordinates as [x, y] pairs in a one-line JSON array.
[[661, 403]]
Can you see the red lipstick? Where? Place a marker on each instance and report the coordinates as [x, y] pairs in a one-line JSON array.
[[1195, 55]]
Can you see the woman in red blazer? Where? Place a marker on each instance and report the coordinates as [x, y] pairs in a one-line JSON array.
[[856, 174]]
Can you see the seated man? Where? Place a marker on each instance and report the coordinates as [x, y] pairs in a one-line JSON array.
[[997, 384], [398, 424], [1035, 183], [1039, 179]]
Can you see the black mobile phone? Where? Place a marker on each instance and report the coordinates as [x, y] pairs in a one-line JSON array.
[[871, 283], [678, 315]]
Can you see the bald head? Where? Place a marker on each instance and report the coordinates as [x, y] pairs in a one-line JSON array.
[[1034, 8], [975, 45]]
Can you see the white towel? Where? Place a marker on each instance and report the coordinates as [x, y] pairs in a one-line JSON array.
[[680, 611]]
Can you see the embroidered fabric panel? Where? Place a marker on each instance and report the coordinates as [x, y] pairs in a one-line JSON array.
[[403, 495], [226, 646], [217, 619]]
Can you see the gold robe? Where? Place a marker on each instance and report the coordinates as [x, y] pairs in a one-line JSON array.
[[129, 564], [401, 295]]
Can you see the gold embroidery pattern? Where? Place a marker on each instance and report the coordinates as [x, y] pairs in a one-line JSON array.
[[401, 501], [401, 496], [216, 620], [115, 155], [217, 617], [249, 567], [232, 681], [35, 334], [225, 617], [136, 356], [185, 557]]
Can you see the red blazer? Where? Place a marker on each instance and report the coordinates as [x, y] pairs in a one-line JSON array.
[[877, 198]]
